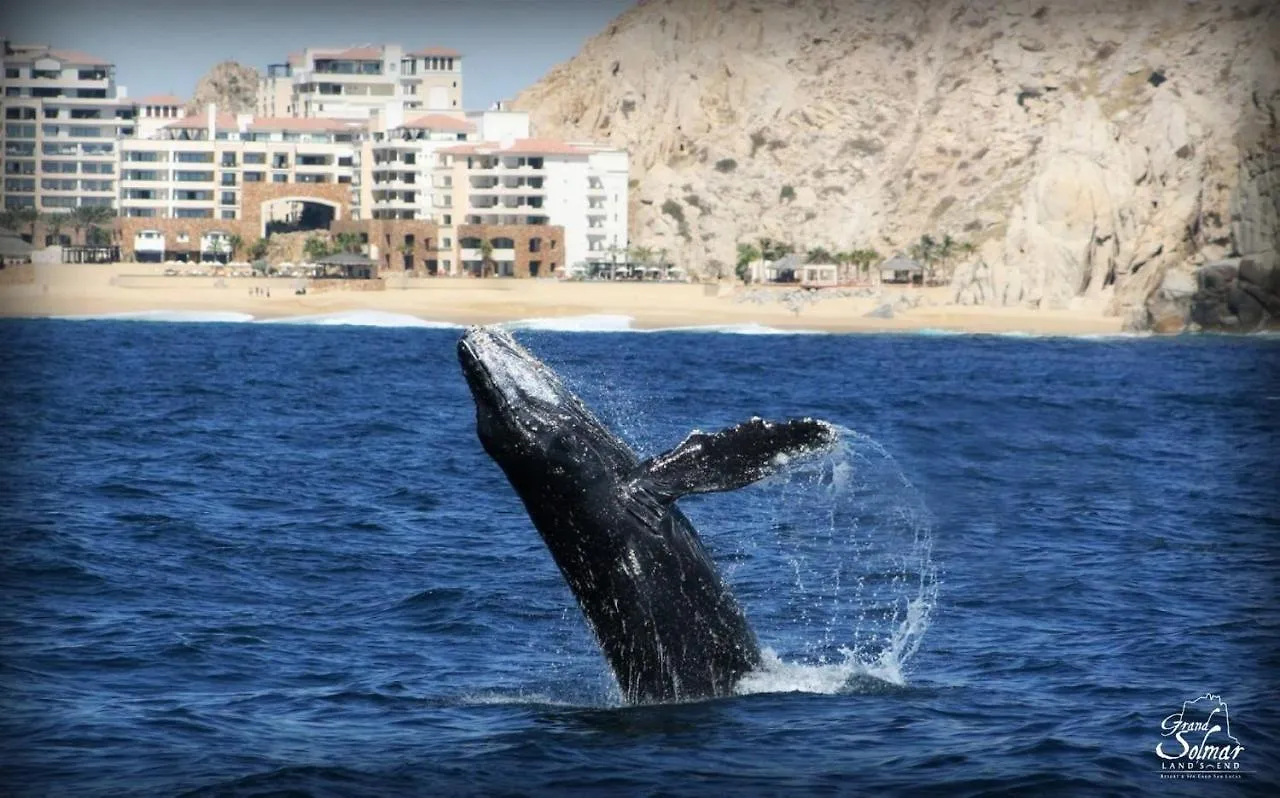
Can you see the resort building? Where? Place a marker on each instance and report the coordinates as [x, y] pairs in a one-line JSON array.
[[367, 140], [156, 111], [236, 168], [353, 82], [63, 117]]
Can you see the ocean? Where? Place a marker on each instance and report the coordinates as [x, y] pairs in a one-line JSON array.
[[247, 558]]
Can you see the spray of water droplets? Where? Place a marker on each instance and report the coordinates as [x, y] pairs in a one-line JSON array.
[[861, 585]]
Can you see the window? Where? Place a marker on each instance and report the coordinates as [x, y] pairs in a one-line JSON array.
[[57, 202], [535, 245], [56, 167], [534, 267], [448, 219], [97, 185], [143, 156], [57, 185], [19, 201], [344, 178], [193, 177], [140, 213], [280, 161], [86, 113], [228, 198], [344, 160], [51, 113], [86, 132], [279, 178], [228, 159], [13, 73], [255, 157], [22, 167], [19, 184], [446, 243], [97, 167], [189, 195], [19, 113], [228, 214], [195, 157], [253, 177], [228, 178], [193, 213], [16, 131]]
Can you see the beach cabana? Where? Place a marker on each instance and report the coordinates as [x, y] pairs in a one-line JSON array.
[[13, 249], [346, 265], [900, 269]]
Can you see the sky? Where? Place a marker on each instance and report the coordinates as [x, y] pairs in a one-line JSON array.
[[165, 46]]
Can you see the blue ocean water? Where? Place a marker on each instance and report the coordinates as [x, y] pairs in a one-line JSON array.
[[252, 559]]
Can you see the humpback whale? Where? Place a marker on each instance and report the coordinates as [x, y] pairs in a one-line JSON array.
[[667, 624]]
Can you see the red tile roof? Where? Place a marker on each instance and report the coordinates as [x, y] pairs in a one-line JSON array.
[[441, 122], [517, 147], [437, 52], [367, 53], [200, 119], [161, 99], [68, 56], [310, 124]]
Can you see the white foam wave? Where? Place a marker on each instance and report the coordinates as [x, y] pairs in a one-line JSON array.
[[200, 316], [363, 318], [592, 323], [749, 328]]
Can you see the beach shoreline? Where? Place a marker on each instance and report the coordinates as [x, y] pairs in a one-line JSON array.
[[70, 290]]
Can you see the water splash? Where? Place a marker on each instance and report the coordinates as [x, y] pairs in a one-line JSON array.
[[858, 541]]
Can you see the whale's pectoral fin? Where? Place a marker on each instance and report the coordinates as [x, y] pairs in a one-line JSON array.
[[731, 458]]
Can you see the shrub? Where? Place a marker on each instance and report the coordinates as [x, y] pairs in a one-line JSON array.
[[726, 165]]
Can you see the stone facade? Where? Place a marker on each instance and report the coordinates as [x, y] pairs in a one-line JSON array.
[[185, 234], [390, 237], [550, 247]]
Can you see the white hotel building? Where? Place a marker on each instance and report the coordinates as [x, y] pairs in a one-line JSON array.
[[63, 118], [375, 132]]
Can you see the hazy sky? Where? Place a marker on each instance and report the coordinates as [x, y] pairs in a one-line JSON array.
[[166, 45]]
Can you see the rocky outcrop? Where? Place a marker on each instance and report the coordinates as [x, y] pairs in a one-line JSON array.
[[1085, 148], [232, 86], [1237, 296]]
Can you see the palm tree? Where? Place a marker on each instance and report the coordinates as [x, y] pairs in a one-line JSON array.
[[315, 248], [93, 217], [747, 255], [29, 217], [819, 255], [53, 227], [258, 250], [234, 243], [486, 258], [348, 242]]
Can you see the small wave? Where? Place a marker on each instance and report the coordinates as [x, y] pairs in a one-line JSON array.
[[591, 323], [198, 316], [749, 328], [364, 318]]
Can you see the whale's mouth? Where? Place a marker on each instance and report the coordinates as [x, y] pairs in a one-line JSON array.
[[504, 374]]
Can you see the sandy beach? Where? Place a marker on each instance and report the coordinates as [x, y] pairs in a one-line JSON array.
[[52, 290]]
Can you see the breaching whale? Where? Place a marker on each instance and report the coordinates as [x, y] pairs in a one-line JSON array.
[[668, 626]]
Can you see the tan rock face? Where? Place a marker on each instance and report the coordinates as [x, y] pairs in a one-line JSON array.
[[233, 86], [1085, 147]]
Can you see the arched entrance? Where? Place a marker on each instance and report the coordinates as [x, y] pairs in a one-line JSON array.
[[294, 214]]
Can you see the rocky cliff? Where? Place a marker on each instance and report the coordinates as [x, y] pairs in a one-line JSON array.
[[233, 86], [1086, 148]]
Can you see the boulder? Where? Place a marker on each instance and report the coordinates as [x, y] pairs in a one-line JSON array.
[[1169, 307]]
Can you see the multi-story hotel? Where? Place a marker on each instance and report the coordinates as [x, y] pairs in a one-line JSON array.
[[63, 118], [389, 156], [353, 82]]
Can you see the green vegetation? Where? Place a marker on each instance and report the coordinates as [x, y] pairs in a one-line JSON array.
[[726, 165], [786, 194], [747, 255], [348, 242], [315, 248], [937, 256], [758, 140]]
